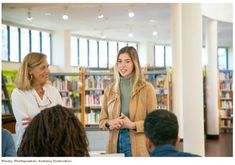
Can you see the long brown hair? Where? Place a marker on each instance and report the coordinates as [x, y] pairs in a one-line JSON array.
[[138, 77], [55, 131]]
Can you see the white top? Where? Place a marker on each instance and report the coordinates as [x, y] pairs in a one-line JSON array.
[[29, 104]]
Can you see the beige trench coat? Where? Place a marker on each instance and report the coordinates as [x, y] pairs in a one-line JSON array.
[[143, 101]]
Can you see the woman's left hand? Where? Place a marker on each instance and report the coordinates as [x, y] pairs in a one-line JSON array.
[[127, 123]]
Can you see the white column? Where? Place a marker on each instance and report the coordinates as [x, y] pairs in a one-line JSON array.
[[67, 45], [177, 86], [211, 78], [187, 46], [192, 79], [61, 49], [142, 51], [150, 53]]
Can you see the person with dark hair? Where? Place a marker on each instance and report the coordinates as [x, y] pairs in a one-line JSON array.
[[126, 103], [8, 144], [161, 134], [33, 92], [54, 132]]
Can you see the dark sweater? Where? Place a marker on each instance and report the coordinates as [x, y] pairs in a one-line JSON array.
[[169, 151]]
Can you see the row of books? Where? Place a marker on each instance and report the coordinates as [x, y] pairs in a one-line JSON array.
[[225, 86], [226, 123], [3, 95], [70, 100], [94, 98], [162, 101], [226, 104], [225, 113], [158, 81], [9, 79], [161, 91], [96, 81], [225, 75], [5, 108], [92, 117], [66, 85], [227, 95]]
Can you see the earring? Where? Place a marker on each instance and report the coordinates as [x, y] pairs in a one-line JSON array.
[[30, 77]]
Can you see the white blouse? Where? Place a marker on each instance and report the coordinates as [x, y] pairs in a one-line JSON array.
[[29, 104]]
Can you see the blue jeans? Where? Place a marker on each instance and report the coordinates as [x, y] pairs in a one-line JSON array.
[[124, 143]]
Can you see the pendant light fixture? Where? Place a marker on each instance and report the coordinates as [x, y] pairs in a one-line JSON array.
[[65, 15], [29, 16]]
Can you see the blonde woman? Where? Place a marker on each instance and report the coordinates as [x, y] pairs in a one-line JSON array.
[[126, 104], [32, 93]]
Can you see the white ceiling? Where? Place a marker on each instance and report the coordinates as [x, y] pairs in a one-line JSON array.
[[115, 25]]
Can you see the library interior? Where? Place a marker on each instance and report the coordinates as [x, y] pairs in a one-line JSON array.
[[185, 51]]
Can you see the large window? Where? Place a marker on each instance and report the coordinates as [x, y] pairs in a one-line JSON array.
[[4, 43], [24, 43], [204, 57], [74, 51], [132, 44], [159, 55], [112, 53], [14, 44], [168, 56], [222, 58], [46, 45], [230, 61], [83, 52], [103, 54], [17, 42], [93, 54], [121, 45], [35, 39], [163, 57]]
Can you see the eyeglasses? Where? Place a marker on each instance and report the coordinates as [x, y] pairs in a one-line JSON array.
[[44, 105]]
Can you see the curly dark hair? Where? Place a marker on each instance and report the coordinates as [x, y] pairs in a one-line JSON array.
[[55, 131]]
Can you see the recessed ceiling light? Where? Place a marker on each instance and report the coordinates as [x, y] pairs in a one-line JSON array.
[[65, 17], [29, 17], [103, 36], [152, 20], [48, 14], [130, 35], [154, 33], [100, 16], [131, 14]]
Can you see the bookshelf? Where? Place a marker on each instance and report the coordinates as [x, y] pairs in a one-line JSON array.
[[8, 119], [6, 101], [95, 83], [226, 100], [9, 78], [70, 88], [90, 86], [162, 82]]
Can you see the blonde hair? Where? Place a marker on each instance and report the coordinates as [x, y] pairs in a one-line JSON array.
[[138, 77], [30, 61]]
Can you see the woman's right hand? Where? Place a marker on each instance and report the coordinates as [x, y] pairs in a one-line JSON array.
[[26, 121], [115, 123]]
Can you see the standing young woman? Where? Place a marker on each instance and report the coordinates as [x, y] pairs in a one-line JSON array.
[[126, 103], [32, 93]]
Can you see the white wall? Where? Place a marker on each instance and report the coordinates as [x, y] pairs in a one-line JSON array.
[[218, 11]]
